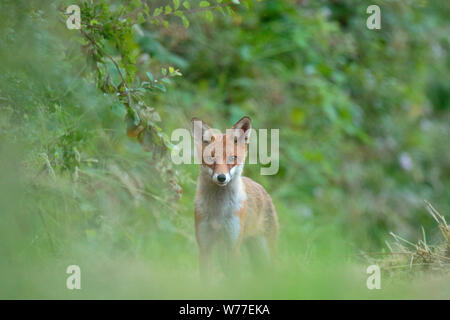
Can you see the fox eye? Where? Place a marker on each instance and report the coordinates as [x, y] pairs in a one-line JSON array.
[[232, 159], [210, 159]]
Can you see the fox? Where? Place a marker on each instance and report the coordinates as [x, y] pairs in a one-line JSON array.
[[230, 208]]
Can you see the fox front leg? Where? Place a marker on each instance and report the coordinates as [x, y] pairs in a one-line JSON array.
[[205, 261], [205, 240], [233, 239]]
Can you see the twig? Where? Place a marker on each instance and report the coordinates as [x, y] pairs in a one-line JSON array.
[[409, 265], [93, 42], [396, 237]]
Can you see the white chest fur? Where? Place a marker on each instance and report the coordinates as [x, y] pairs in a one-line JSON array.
[[219, 205]]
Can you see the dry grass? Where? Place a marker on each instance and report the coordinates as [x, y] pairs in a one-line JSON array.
[[405, 255]]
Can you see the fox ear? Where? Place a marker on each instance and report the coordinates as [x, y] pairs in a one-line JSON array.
[[243, 128], [199, 131]]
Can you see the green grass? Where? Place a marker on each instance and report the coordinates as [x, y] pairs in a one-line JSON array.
[[49, 224]]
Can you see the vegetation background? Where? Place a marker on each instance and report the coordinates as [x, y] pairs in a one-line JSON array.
[[364, 139]]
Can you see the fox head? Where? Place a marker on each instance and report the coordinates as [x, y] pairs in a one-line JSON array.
[[222, 155]]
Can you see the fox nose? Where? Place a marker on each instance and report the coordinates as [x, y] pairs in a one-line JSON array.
[[221, 177]]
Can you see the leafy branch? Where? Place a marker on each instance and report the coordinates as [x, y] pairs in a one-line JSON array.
[[124, 82], [135, 12], [106, 30], [101, 27], [159, 13]]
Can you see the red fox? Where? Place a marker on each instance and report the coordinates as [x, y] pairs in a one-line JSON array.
[[229, 208]]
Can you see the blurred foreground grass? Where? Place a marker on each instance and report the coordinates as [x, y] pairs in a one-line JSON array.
[[45, 228]]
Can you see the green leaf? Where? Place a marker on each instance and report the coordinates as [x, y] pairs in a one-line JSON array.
[[146, 10], [176, 4], [164, 71], [161, 87], [179, 13], [157, 12], [168, 9], [136, 3], [149, 75], [186, 5], [185, 21], [209, 16], [141, 18], [135, 117], [204, 4]]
